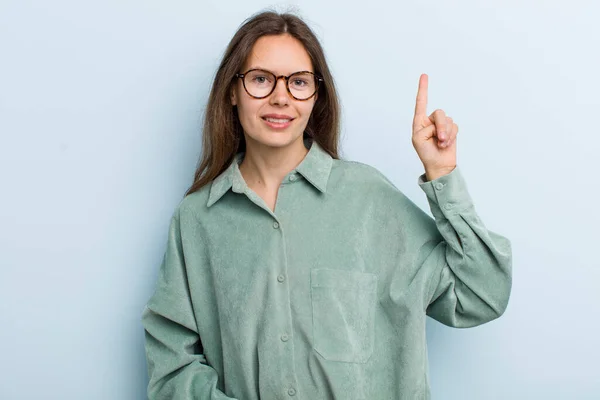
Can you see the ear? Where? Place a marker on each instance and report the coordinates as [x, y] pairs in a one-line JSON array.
[[233, 96]]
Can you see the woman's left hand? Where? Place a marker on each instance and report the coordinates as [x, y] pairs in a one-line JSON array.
[[434, 136]]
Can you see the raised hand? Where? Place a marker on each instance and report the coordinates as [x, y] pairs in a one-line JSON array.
[[434, 136]]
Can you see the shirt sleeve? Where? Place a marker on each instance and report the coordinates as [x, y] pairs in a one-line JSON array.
[[176, 366], [472, 267]]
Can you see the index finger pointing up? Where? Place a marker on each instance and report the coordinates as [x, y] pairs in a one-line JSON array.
[[421, 106]]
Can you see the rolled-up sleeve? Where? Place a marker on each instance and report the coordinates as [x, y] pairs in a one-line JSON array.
[[471, 267]]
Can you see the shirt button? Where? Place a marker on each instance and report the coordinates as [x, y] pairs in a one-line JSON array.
[[284, 337], [275, 224], [448, 206], [292, 391], [280, 278], [293, 178], [439, 186]]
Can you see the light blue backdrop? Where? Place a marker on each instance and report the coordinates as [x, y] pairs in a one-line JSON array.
[[100, 111]]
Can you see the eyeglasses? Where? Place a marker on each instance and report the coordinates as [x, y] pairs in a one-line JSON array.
[[260, 83]]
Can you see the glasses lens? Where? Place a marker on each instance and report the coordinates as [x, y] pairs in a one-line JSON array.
[[302, 85], [259, 83]]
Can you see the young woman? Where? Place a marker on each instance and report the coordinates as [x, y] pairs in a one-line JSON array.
[[292, 274]]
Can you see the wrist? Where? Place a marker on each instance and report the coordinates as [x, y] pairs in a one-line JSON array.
[[437, 173]]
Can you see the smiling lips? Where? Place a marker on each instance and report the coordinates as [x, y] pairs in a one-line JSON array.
[[277, 121]]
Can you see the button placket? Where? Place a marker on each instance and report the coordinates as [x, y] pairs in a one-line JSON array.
[[284, 328]]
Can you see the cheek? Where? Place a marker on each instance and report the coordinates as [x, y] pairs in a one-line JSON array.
[[248, 113], [244, 105], [307, 110], [246, 109]]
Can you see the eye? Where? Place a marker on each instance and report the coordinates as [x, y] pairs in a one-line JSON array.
[[300, 82], [260, 79]]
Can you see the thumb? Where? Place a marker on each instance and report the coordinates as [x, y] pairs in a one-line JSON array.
[[426, 133], [421, 121]]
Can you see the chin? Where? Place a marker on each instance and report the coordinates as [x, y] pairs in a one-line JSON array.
[[275, 139]]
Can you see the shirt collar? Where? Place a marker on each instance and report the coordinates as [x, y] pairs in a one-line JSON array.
[[315, 168]]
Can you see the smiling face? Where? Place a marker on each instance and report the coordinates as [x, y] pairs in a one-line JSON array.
[[278, 120]]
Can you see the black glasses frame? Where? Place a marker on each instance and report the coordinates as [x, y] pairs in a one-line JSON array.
[[318, 80]]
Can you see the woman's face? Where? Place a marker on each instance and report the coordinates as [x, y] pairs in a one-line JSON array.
[[282, 55]]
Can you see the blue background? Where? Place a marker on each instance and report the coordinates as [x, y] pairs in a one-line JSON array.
[[101, 106]]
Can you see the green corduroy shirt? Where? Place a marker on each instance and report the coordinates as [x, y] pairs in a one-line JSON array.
[[324, 298]]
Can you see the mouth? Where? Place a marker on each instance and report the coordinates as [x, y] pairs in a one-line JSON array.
[[277, 123]]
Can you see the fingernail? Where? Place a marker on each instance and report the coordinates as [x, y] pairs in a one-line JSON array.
[[442, 136]]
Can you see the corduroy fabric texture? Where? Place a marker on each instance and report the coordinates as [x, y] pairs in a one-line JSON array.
[[324, 298]]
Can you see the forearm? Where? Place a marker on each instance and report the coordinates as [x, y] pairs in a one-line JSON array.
[[471, 268], [174, 371]]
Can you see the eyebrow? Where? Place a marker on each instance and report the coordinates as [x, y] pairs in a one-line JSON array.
[[266, 69]]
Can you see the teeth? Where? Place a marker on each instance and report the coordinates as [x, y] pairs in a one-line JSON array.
[[278, 121]]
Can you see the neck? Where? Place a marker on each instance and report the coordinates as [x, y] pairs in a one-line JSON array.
[[265, 166]]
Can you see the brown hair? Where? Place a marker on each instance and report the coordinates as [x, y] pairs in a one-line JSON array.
[[223, 135]]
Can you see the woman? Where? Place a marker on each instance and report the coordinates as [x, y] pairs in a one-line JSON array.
[[290, 273]]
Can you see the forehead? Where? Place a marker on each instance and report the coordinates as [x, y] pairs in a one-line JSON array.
[[281, 54]]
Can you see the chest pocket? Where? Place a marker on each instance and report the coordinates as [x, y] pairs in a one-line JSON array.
[[343, 307]]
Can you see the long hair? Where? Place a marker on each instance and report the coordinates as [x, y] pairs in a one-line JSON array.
[[223, 135]]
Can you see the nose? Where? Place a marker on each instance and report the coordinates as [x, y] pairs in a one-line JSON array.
[[280, 95]]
